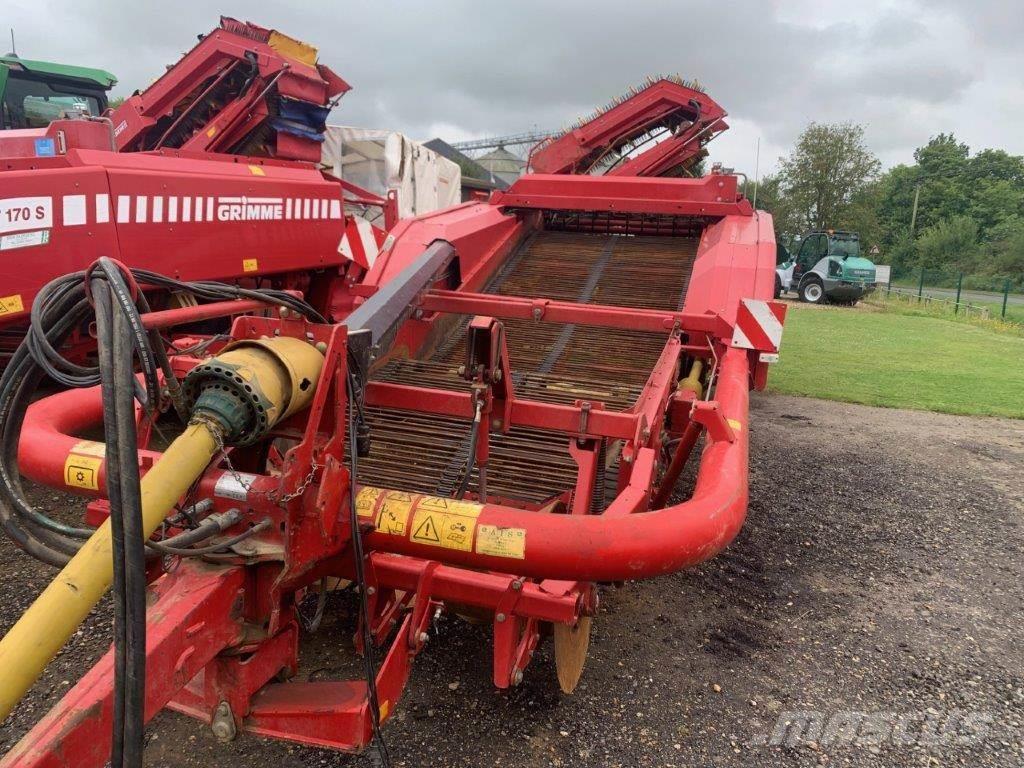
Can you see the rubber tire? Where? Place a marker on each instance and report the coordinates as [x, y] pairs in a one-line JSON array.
[[818, 295], [778, 287]]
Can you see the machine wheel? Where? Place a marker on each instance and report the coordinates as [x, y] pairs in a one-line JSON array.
[[778, 287], [812, 291]]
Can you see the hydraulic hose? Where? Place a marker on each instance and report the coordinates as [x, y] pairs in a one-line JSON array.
[[59, 308], [276, 378], [358, 558], [474, 439], [44, 628]]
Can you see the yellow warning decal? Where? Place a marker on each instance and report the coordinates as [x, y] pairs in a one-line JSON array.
[[89, 448], [366, 501], [385, 708], [394, 512], [11, 305], [250, 265], [735, 424], [212, 132], [450, 506], [82, 471], [501, 542], [256, 170], [445, 523]]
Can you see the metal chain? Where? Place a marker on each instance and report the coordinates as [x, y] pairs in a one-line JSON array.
[[301, 489], [218, 439]]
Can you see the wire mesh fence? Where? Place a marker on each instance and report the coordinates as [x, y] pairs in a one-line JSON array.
[[997, 297]]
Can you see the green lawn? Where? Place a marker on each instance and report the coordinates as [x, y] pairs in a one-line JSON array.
[[900, 361]]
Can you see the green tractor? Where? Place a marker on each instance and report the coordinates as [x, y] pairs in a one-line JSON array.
[[827, 267], [35, 93]]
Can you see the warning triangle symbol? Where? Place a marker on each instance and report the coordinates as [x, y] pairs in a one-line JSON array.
[[427, 531]]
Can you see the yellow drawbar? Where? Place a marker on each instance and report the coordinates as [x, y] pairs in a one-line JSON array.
[[55, 615], [283, 371]]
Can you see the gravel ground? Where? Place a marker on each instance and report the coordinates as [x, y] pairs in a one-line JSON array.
[[877, 582]]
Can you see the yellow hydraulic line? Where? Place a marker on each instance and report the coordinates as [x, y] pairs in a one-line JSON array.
[[55, 615]]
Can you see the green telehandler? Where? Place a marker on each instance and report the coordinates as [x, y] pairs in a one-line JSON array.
[[827, 267]]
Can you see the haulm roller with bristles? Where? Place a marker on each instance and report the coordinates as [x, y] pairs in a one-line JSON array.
[[659, 128]]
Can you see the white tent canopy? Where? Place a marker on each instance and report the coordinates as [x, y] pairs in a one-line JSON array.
[[380, 161]]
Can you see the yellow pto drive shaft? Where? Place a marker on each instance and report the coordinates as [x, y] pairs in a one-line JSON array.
[[236, 397]]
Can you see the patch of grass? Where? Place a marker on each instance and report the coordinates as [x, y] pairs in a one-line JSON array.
[[1014, 322], [942, 304], [1014, 312], [900, 361]]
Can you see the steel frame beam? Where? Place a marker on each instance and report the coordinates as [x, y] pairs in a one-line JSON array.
[[550, 311], [195, 617]]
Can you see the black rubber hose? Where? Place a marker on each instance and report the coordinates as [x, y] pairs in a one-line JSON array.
[[59, 308], [474, 438], [125, 443], [38, 535], [118, 586], [208, 528], [357, 557], [167, 549]]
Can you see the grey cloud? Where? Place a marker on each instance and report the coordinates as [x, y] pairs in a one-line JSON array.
[[496, 68]]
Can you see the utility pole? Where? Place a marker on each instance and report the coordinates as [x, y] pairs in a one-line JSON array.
[[757, 171], [913, 215]]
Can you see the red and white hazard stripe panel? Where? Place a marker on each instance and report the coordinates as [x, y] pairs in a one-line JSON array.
[[759, 325], [362, 242]]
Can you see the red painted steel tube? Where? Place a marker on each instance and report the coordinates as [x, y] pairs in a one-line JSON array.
[[551, 311], [484, 590], [525, 412], [614, 546], [679, 457], [167, 318]]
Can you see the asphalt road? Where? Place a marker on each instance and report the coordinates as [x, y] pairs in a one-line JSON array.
[[986, 297]]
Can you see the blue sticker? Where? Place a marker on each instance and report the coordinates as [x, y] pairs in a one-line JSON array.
[[45, 148]]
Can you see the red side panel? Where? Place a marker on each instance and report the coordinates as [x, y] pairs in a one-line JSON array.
[[188, 218], [735, 260]]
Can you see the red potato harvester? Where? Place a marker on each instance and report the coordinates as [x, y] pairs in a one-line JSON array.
[[493, 429], [210, 173]]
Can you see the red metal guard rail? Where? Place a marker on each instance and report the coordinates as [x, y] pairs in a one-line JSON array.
[[618, 545]]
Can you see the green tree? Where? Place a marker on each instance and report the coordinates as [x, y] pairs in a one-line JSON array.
[[1007, 251], [896, 202], [948, 245], [993, 164], [993, 201], [970, 208], [862, 216], [770, 198], [829, 166], [941, 172]]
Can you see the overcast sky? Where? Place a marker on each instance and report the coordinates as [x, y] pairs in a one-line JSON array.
[[462, 69]]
